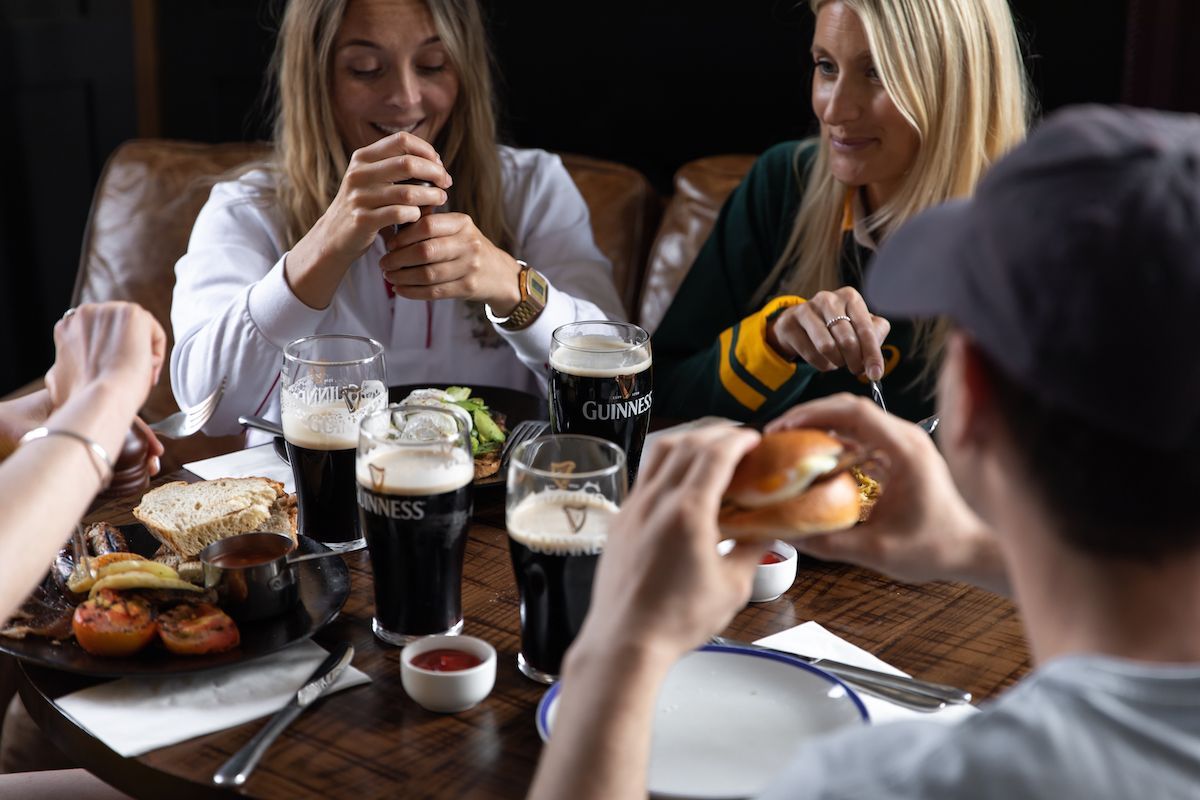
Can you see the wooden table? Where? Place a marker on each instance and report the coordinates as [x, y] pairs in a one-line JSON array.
[[373, 741]]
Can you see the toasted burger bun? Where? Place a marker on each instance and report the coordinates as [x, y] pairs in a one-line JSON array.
[[784, 489]]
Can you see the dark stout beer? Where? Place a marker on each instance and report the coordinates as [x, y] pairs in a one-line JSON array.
[[555, 539], [602, 386], [414, 509], [320, 428], [325, 493]]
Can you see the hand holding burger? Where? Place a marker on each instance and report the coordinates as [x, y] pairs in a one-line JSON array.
[[794, 483]]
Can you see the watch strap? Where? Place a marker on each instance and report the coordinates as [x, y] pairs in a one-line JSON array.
[[534, 294]]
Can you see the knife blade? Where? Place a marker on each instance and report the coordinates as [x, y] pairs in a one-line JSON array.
[[261, 424], [868, 678], [237, 769]]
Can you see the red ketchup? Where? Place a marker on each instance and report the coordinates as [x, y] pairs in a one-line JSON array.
[[771, 557], [445, 660]]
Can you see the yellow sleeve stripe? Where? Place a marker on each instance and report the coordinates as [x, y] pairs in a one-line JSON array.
[[755, 355], [738, 388]]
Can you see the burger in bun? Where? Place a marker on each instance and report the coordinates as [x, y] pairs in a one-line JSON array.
[[793, 483]]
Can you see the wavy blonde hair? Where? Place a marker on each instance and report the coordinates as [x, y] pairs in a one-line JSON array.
[[953, 69], [310, 158]]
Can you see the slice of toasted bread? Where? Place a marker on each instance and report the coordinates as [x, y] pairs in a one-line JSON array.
[[188, 516]]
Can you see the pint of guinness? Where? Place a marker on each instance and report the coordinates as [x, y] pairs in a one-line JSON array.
[[563, 492], [329, 383], [555, 539], [414, 505], [602, 384]]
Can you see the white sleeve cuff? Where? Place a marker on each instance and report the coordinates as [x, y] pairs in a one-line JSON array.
[[277, 312], [532, 343]]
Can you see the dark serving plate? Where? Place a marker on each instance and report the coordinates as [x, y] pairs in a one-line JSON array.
[[324, 585], [512, 404]]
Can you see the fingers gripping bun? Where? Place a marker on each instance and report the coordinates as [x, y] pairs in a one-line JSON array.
[[792, 484]]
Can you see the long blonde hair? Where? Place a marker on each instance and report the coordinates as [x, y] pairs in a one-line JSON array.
[[310, 158], [953, 69]]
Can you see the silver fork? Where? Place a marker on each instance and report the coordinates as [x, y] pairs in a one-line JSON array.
[[189, 420], [877, 394], [523, 432], [83, 567], [929, 424]]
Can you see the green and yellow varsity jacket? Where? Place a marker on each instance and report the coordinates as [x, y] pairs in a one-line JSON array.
[[710, 351]]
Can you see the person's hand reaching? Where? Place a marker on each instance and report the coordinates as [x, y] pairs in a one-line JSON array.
[[661, 580]]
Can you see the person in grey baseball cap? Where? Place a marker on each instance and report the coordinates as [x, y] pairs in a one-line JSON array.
[[1069, 399]]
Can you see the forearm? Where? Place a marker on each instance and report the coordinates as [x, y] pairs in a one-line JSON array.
[[977, 558], [314, 271], [239, 336], [47, 485], [21, 415], [600, 745]]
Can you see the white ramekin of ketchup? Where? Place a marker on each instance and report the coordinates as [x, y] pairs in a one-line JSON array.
[[448, 674], [775, 572]]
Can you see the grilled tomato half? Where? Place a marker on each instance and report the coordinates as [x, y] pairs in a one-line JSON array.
[[111, 624], [191, 629]]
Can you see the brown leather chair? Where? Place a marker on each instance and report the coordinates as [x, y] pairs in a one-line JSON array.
[[151, 191], [625, 210], [701, 187]]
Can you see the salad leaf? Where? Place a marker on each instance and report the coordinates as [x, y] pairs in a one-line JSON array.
[[486, 435]]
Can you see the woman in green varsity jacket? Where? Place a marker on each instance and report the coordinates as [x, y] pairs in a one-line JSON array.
[[915, 99]]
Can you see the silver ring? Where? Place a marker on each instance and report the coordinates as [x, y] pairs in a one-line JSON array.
[[68, 314], [838, 318]]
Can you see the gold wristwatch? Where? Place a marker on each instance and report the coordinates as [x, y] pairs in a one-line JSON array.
[[534, 292]]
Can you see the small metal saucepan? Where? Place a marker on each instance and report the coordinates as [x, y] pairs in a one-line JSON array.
[[252, 574]]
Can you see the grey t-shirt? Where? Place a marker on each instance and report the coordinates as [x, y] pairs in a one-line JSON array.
[[1079, 727]]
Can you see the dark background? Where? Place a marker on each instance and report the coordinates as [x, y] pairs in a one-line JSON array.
[[649, 83]]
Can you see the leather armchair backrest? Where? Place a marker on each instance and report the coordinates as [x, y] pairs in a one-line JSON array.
[[701, 187], [146, 201], [624, 211]]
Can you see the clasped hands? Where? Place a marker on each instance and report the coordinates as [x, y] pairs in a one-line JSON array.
[[430, 256]]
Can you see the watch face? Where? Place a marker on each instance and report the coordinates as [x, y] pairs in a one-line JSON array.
[[536, 286]]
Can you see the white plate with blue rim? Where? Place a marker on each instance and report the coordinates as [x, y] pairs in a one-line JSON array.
[[728, 719]]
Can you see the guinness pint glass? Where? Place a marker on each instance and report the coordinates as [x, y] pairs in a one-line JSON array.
[[329, 383], [414, 473], [602, 384], [563, 492]]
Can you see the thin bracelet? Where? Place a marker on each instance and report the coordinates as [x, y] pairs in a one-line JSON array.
[[93, 446]]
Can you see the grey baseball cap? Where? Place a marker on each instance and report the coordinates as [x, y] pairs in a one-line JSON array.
[[1075, 267]]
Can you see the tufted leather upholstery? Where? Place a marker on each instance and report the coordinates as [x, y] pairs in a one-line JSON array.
[[624, 209], [151, 190], [146, 200], [701, 187]]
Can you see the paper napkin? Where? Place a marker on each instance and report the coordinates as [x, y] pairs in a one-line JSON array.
[[133, 716], [810, 639], [260, 461]]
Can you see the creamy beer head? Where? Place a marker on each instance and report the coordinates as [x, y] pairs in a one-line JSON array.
[[415, 471], [327, 417], [599, 356], [558, 522]]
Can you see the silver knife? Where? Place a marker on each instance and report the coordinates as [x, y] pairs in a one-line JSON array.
[[261, 424], [237, 769], [911, 692]]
